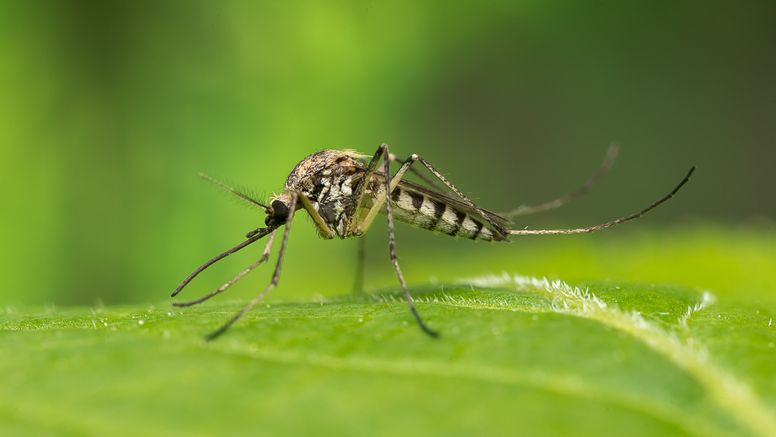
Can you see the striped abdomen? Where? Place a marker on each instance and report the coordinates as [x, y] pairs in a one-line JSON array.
[[421, 210]]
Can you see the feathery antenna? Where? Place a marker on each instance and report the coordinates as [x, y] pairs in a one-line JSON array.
[[232, 190]]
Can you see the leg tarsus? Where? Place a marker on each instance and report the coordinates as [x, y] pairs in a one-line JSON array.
[[431, 333]]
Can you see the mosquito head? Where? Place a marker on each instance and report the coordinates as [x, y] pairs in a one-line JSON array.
[[277, 213]]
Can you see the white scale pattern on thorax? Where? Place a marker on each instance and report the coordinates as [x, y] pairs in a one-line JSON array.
[[335, 200]]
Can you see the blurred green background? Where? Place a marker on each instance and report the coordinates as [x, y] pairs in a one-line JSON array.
[[109, 109]]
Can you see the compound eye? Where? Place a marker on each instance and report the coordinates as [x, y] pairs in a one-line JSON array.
[[280, 212]]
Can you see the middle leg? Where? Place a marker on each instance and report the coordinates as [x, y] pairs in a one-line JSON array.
[[392, 244]]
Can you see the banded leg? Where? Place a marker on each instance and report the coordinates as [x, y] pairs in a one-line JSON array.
[[275, 276], [221, 289], [392, 244]]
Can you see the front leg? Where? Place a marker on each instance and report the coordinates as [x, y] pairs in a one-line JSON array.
[[325, 230], [275, 275]]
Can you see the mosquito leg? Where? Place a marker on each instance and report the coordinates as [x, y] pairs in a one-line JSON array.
[[392, 248], [606, 165], [417, 173], [607, 224], [361, 189], [273, 283], [221, 289], [364, 224], [325, 230], [358, 284]]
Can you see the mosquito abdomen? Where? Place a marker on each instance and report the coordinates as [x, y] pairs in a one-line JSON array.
[[417, 209]]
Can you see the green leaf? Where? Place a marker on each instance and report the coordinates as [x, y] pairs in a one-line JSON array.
[[517, 355]]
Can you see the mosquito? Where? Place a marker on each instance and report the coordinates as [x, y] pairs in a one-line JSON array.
[[344, 191]]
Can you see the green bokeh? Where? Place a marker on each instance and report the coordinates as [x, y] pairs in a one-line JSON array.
[[109, 109]]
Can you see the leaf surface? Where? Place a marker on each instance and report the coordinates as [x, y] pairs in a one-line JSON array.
[[517, 355]]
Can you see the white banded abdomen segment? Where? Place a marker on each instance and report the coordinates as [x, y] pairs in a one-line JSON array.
[[417, 209]]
